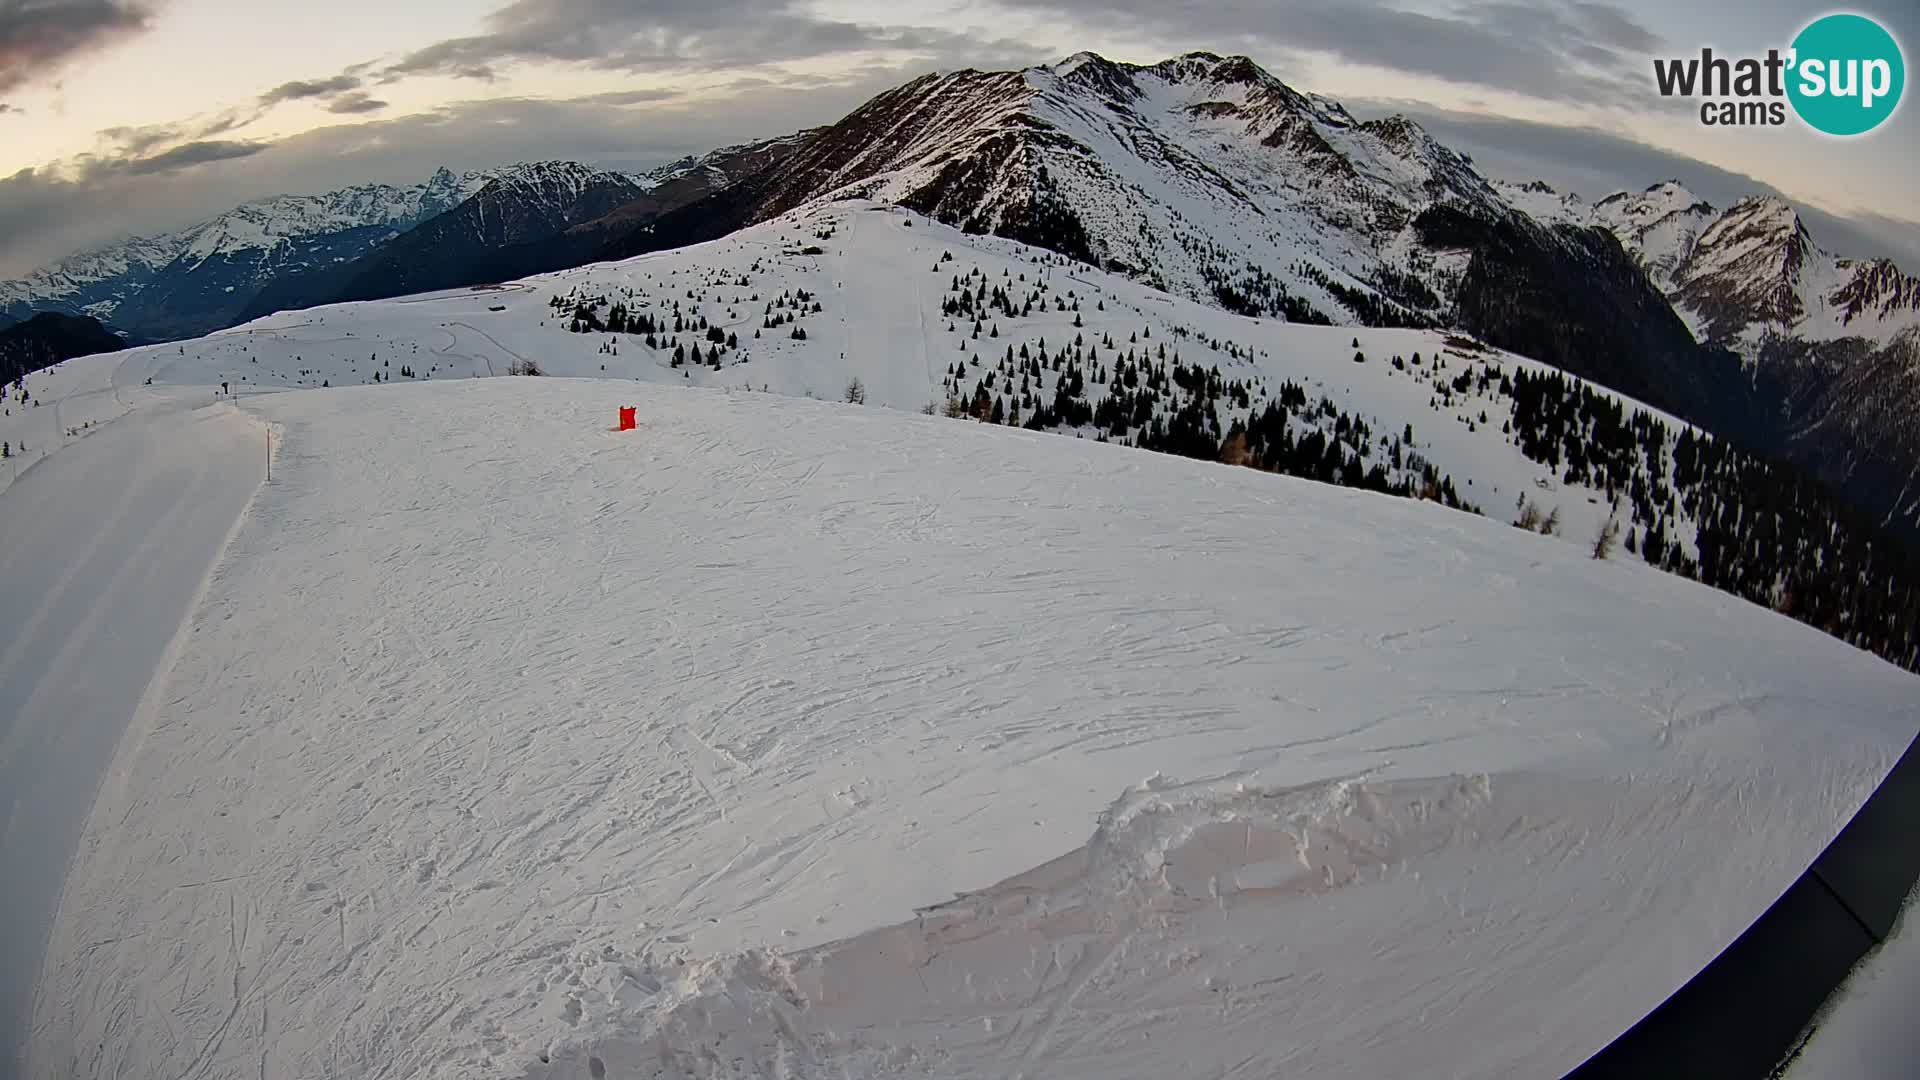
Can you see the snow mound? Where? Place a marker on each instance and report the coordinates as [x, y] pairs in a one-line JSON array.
[[502, 734], [984, 984], [1203, 928]]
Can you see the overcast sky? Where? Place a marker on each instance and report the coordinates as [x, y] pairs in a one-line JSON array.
[[121, 117]]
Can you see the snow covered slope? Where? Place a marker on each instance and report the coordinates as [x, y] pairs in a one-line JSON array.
[[506, 744], [102, 556], [885, 281]]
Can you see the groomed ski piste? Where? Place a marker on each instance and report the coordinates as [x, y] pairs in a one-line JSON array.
[[797, 738]]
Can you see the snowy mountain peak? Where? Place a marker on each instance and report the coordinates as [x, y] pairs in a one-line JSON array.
[[1671, 192], [552, 182], [1764, 217], [445, 188], [1751, 258], [1658, 225], [1075, 62], [1202, 173], [1649, 205], [1877, 290], [535, 171], [1545, 203], [1214, 68], [1745, 273]]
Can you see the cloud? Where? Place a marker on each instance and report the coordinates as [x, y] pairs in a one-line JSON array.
[[133, 141], [38, 36], [127, 143], [312, 88], [1573, 51], [355, 103], [663, 36], [1613, 26], [190, 154], [51, 212], [633, 97]]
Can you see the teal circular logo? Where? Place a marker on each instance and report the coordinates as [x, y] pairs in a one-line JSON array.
[[1847, 74]]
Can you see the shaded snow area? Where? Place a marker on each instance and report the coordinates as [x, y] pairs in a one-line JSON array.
[[103, 550], [792, 738], [1867, 1028]]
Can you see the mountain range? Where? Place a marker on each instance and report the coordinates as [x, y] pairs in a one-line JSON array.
[[1203, 176], [1828, 346], [368, 241], [202, 278]]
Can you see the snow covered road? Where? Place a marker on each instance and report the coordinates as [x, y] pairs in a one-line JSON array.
[[104, 547]]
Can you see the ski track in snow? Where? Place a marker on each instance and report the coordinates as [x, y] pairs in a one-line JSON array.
[[102, 549], [501, 735]]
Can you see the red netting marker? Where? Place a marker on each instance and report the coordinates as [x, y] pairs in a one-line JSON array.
[[627, 418]]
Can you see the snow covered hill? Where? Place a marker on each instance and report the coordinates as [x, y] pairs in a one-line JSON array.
[[503, 743], [897, 299], [924, 316], [1207, 177]]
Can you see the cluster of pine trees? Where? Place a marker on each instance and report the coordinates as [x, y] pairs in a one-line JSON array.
[[1396, 298], [1760, 529], [1141, 393], [1255, 291], [683, 332], [1371, 308], [1344, 451]]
